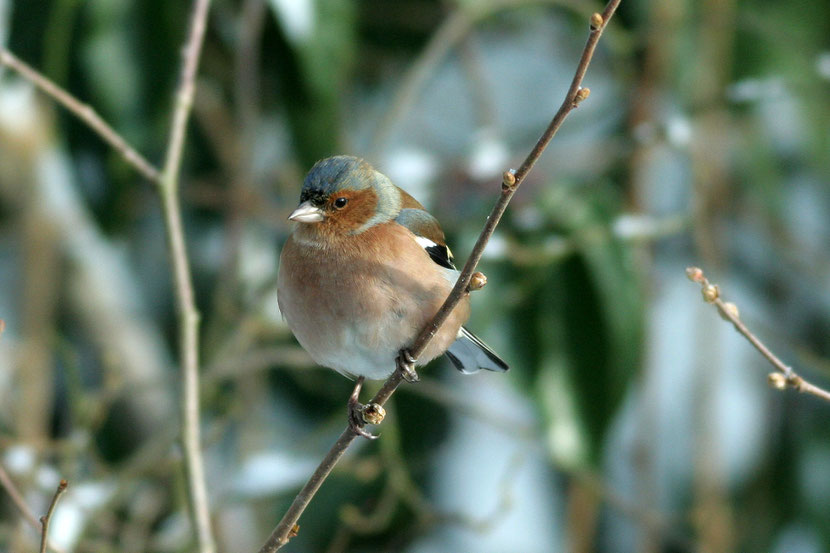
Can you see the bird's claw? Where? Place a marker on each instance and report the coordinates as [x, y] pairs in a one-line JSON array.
[[406, 365], [360, 414], [356, 422]]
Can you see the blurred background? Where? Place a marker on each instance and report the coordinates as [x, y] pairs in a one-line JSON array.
[[633, 419]]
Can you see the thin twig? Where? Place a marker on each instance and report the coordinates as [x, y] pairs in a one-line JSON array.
[[511, 182], [185, 300], [786, 377], [83, 112], [667, 528], [15, 495], [449, 34], [44, 520], [187, 88], [17, 498], [168, 184]]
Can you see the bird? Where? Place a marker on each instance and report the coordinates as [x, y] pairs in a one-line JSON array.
[[363, 271]]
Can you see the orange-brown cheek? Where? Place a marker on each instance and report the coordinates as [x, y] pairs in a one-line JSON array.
[[361, 207]]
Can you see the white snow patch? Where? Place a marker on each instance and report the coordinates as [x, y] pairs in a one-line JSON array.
[[296, 18]]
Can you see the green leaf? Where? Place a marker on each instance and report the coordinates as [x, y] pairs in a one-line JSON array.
[[580, 326]]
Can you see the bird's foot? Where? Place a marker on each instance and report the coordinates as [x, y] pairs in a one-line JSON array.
[[406, 365], [360, 414]]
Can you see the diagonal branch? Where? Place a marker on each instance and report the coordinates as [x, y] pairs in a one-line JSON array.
[[17, 498], [183, 282], [511, 181], [786, 377], [83, 112]]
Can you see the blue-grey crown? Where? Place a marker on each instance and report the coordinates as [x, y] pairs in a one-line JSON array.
[[335, 173]]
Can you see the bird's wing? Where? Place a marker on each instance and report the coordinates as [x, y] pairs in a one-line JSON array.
[[427, 233], [469, 354]]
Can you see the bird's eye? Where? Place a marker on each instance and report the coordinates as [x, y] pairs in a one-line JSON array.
[[340, 203]]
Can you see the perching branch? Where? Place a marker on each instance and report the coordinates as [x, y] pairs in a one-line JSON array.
[[83, 112], [511, 181], [44, 520], [786, 377], [185, 300]]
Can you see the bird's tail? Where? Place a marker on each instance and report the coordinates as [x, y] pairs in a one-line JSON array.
[[469, 354]]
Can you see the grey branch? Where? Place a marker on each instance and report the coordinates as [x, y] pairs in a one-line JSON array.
[[183, 282], [168, 185], [44, 520], [83, 112], [786, 377]]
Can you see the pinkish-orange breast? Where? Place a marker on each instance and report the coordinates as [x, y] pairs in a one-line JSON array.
[[355, 302]]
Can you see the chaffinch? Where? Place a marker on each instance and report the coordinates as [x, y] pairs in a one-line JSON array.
[[364, 270]]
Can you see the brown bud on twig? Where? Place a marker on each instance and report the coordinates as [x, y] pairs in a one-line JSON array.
[[294, 531], [45, 519], [373, 413], [784, 377], [732, 309], [695, 274], [581, 95], [508, 179], [710, 292], [478, 280], [596, 21], [777, 381]]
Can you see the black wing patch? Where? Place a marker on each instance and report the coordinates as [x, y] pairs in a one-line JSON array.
[[441, 255], [427, 233]]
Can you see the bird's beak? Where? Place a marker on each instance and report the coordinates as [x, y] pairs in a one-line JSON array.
[[306, 213]]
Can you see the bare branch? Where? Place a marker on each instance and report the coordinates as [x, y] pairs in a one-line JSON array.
[[168, 184], [83, 112], [187, 88], [452, 32], [44, 520], [17, 498], [786, 377], [448, 34], [511, 181], [185, 300]]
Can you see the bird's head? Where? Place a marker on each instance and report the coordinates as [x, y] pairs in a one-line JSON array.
[[346, 195]]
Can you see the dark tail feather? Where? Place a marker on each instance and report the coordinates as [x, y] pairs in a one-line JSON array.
[[469, 354]]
